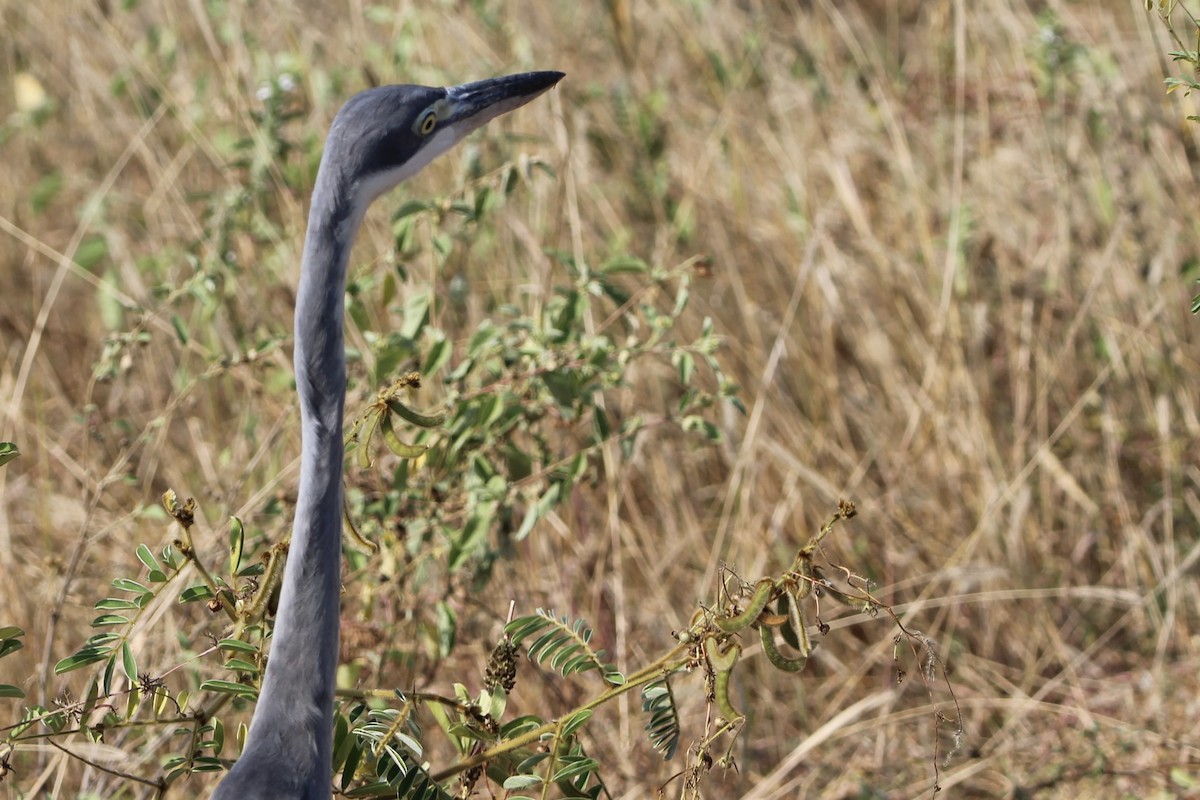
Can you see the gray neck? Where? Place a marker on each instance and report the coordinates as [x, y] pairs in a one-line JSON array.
[[289, 748]]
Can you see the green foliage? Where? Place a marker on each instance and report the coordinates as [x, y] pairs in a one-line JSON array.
[[473, 434], [519, 413], [562, 645], [521, 410], [663, 727], [1187, 81], [10, 642], [1167, 10], [378, 745], [8, 451]]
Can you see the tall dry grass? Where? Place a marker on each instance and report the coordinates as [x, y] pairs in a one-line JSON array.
[[952, 249]]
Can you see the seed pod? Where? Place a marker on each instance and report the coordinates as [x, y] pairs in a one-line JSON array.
[[798, 625], [758, 601], [777, 659], [804, 585], [789, 633], [722, 664], [420, 420]]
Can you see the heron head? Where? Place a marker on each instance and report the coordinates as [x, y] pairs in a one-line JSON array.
[[387, 134]]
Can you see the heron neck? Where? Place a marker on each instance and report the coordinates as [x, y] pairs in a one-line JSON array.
[[295, 707]]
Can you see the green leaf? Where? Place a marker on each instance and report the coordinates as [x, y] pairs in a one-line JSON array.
[[522, 725], [575, 722], [437, 356], [91, 252], [601, 425], [180, 328], [522, 781], [388, 293], [416, 314], [101, 639], [343, 745], [126, 585], [115, 604], [11, 643], [11, 632], [237, 645], [532, 515], [229, 687], [55, 721], [109, 619], [685, 363], [696, 423], [168, 553], [8, 451], [624, 265], [485, 336], [447, 628], [681, 299], [87, 655], [583, 766], [237, 541], [146, 557], [8, 690], [473, 536], [44, 191], [129, 663], [496, 702], [411, 208], [194, 593]]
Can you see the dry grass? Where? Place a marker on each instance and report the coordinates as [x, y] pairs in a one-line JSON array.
[[952, 255]]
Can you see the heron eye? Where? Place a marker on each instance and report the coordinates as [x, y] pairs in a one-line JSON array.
[[427, 122]]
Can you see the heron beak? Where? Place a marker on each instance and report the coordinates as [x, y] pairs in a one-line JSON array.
[[473, 104]]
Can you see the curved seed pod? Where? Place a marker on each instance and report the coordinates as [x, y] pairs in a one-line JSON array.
[[420, 420], [804, 585], [721, 691], [789, 633], [773, 620], [365, 434], [778, 659], [797, 624], [722, 664], [352, 529], [398, 447], [758, 601]]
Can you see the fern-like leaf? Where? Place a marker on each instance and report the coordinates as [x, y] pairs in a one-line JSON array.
[[562, 645], [663, 728]]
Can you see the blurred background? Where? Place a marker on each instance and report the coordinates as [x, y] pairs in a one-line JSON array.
[[948, 250]]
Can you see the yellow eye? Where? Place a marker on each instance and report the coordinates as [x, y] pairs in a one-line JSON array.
[[427, 122]]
